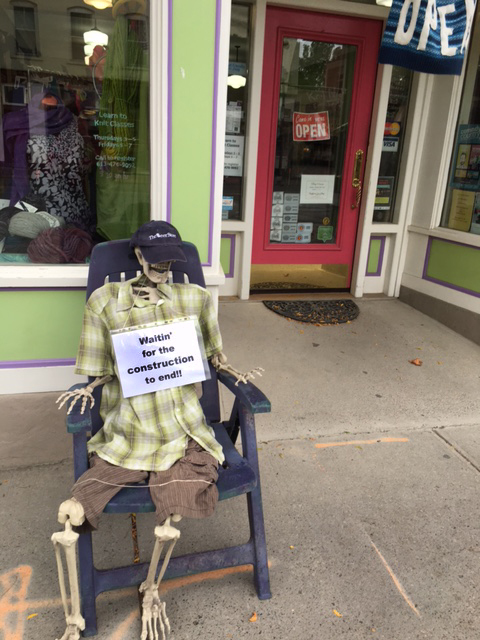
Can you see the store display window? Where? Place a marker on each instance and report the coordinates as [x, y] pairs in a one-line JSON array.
[[236, 121], [393, 138], [74, 147], [462, 202]]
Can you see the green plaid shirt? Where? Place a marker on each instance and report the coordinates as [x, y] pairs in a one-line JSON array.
[[147, 432]]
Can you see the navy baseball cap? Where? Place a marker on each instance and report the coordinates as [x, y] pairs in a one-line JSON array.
[[158, 241]]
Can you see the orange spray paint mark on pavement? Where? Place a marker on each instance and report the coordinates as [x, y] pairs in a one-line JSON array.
[[14, 605], [176, 583], [13, 602], [326, 445], [124, 627], [395, 580]]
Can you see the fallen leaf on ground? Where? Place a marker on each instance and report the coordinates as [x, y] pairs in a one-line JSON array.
[[32, 615], [253, 618], [417, 362], [292, 547], [339, 615]]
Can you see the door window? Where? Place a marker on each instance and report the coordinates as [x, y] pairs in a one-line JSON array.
[[313, 116]]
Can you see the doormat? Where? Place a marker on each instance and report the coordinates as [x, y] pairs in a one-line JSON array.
[[315, 312], [284, 285]]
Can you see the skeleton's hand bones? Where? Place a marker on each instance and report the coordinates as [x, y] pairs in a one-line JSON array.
[[84, 392], [219, 361]]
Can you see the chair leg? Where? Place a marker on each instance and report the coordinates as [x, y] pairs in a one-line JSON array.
[[255, 510], [87, 584], [257, 533]]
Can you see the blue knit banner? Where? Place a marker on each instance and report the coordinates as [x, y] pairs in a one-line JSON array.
[[428, 35]]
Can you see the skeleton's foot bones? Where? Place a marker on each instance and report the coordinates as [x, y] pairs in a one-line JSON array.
[[67, 540], [154, 617], [72, 633]]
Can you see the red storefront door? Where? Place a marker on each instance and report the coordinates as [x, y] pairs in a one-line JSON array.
[[317, 93]]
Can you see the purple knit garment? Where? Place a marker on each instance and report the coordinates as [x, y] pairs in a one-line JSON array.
[[18, 126]]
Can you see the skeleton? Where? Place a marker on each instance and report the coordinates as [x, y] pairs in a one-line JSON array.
[[155, 622]]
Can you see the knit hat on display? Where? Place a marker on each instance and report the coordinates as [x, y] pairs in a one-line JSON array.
[[158, 241]]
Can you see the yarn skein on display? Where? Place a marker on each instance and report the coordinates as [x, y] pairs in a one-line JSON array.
[[6, 215], [56, 246], [29, 224]]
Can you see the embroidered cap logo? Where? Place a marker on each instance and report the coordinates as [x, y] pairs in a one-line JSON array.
[[162, 235]]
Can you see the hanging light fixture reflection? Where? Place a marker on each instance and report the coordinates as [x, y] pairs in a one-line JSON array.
[[235, 80], [94, 37], [99, 4]]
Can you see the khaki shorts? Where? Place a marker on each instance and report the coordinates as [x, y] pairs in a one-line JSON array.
[[193, 499]]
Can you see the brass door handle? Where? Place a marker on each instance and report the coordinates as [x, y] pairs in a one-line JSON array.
[[356, 182]]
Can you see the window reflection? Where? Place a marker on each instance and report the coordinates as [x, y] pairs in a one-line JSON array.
[[74, 156]]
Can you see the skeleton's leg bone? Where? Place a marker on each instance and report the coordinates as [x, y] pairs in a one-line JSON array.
[[68, 540], [154, 617], [61, 577]]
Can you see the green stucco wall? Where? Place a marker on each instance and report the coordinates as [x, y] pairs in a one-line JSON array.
[[192, 108], [455, 264], [374, 255], [37, 325], [225, 248]]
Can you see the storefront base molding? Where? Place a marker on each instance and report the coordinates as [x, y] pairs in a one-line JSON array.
[[463, 321], [33, 430], [37, 379]]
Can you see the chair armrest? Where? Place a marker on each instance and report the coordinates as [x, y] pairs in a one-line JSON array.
[[247, 393], [76, 421]]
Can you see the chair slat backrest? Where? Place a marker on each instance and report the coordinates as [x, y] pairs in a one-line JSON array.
[[113, 262]]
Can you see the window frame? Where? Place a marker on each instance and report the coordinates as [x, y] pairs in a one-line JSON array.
[[26, 4], [40, 276], [79, 10]]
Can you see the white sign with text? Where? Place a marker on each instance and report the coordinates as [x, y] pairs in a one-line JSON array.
[[159, 356]]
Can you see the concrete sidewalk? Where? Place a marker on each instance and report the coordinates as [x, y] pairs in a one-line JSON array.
[[370, 476]]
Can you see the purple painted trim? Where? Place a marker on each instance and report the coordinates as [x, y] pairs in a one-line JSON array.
[[169, 110], [378, 272], [213, 161], [43, 289], [24, 364], [231, 266], [442, 282], [427, 258]]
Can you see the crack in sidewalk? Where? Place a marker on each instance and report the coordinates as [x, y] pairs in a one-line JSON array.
[[456, 449]]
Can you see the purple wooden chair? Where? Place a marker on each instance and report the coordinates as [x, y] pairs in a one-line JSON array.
[[239, 474]]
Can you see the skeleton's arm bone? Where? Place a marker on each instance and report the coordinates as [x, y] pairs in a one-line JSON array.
[[84, 393]]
